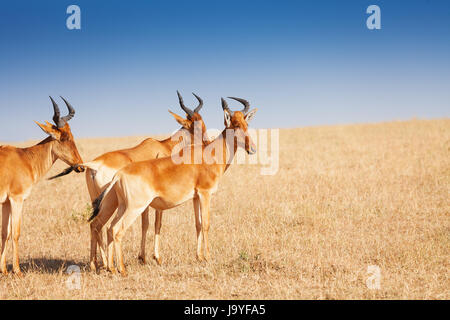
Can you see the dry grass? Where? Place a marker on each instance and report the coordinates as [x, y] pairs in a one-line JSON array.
[[345, 197]]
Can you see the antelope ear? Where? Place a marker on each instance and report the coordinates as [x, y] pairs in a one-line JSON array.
[[227, 118], [249, 116], [49, 129], [184, 122]]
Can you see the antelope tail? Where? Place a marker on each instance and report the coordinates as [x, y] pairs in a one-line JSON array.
[[94, 166], [96, 204], [64, 173]]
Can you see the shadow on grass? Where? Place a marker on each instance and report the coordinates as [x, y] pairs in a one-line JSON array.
[[50, 266]]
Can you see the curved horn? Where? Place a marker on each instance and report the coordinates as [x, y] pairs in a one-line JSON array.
[[225, 106], [56, 113], [188, 111], [200, 103], [244, 102], [71, 111]]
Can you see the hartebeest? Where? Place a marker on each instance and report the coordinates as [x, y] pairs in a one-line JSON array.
[[101, 170], [21, 168], [163, 184]]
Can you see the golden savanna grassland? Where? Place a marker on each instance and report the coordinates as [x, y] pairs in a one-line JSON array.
[[345, 197]]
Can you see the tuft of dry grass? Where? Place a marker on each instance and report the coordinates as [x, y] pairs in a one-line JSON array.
[[345, 197]]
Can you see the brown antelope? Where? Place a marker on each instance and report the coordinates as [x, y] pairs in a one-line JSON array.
[[101, 170], [163, 184], [21, 168]]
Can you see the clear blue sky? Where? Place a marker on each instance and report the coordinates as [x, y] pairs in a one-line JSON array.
[[301, 63]]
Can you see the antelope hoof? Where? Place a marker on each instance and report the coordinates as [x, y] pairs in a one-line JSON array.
[[124, 273], [200, 258], [5, 272], [93, 266], [142, 259], [112, 270], [158, 260], [18, 274]]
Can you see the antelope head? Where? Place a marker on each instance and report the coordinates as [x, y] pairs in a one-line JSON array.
[[238, 122], [64, 147], [193, 122]]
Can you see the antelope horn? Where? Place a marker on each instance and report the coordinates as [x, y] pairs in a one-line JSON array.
[[71, 111], [200, 103], [188, 111], [225, 106], [56, 113], [244, 102]]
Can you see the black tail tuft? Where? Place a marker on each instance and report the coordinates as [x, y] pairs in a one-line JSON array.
[[96, 205], [64, 173]]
